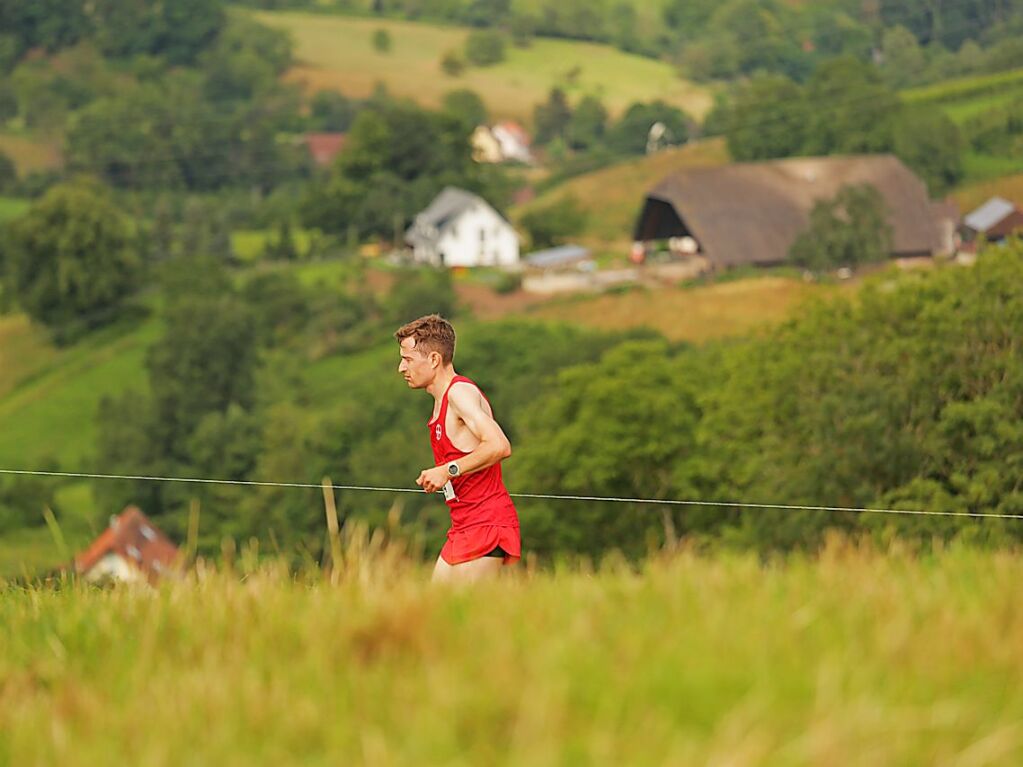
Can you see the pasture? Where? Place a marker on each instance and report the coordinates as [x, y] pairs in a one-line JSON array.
[[337, 53], [854, 656], [719, 310]]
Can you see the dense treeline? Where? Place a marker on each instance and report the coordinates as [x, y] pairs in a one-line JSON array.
[[178, 31], [911, 396], [845, 108]]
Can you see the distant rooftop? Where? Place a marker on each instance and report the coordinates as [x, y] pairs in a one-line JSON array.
[[564, 254], [989, 214]]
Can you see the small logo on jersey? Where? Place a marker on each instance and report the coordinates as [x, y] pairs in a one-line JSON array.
[[437, 432]]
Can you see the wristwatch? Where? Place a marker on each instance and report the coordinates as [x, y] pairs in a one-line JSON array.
[[453, 470]]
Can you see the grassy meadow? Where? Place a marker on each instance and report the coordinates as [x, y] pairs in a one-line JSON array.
[[718, 310], [336, 53], [852, 657]]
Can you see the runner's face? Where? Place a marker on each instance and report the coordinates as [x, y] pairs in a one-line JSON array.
[[415, 367]]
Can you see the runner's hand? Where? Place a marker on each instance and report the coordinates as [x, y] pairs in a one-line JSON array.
[[432, 480]]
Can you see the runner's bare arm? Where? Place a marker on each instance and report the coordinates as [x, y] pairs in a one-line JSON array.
[[467, 403]]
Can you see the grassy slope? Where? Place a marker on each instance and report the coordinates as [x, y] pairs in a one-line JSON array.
[[855, 658], [336, 52], [12, 207], [50, 411], [971, 196], [701, 314], [613, 196], [966, 97]]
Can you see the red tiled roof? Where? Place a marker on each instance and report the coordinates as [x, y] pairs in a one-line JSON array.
[[516, 130], [137, 541], [324, 147]]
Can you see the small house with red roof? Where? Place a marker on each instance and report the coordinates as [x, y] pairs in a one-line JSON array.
[[505, 141], [131, 549], [324, 147]]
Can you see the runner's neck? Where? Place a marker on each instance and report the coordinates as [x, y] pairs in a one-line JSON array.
[[441, 383]]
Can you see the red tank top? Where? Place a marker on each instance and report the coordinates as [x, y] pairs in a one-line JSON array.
[[480, 497]]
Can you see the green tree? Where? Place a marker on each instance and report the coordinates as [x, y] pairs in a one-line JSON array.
[[205, 363], [168, 135], [851, 110], [757, 32], [484, 48], [849, 230], [554, 223], [8, 174], [932, 145], [283, 246], [8, 102], [767, 118], [247, 59], [486, 13], [452, 64], [71, 259], [623, 426], [552, 118], [398, 157], [331, 111], [420, 292], [382, 41], [178, 31], [467, 106], [904, 60], [162, 232], [588, 125], [281, 306], [629, 135]]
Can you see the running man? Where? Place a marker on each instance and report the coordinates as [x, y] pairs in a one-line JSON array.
[[468, 447]]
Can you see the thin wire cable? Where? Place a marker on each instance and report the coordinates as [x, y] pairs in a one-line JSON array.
[[538, 496]]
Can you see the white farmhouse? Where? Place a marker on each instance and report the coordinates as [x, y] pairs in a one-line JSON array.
[[460, 229]]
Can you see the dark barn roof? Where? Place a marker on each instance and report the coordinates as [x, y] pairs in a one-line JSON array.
[[751, 213]]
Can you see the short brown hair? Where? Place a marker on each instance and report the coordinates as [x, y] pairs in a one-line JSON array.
[[433, 333]]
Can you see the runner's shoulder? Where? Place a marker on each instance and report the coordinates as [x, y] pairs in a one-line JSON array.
[[465, 393]]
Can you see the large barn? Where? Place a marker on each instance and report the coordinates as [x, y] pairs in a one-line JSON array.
[[751, 213]]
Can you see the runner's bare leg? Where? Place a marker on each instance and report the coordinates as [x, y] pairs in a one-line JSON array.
[[483, 568]]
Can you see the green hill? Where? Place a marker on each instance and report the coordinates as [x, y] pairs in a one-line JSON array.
[[336, 52], [965, 98]]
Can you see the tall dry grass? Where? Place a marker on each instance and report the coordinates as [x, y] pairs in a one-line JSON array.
[[852, 657]]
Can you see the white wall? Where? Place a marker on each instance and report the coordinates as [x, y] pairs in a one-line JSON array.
[[463, 245]]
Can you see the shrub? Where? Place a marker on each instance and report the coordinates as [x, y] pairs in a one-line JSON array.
[[484, 47], [452, 64], [382, 41]]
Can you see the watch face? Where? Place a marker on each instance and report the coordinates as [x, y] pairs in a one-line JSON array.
[[453, 469]]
